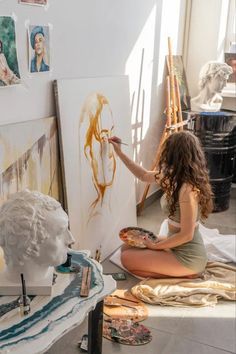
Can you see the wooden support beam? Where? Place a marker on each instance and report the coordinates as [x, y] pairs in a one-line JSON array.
[[180, 117], [172, 82]]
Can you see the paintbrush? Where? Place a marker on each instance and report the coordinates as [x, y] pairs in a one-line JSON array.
[[24, 300], [120, 142], [23, 288], [117, 140]]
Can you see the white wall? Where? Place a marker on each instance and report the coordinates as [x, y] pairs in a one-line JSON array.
[[170, 22], [88, 38], [97, 38]]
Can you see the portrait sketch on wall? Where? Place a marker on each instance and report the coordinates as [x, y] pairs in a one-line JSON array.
[[179, 71], [34, 2], [9, 69], [29, 158], [230, 59], [99, 190], [39, 48]]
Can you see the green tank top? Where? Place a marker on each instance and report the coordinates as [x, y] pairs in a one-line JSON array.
[[176, 216]]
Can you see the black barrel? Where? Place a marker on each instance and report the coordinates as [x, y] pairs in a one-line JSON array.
[[234, 176], [217, 133]]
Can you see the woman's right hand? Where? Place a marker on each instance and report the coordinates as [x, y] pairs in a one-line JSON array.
[[116, 142]]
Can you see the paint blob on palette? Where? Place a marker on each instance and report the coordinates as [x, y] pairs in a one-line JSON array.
[[134, 236], [126, 332]]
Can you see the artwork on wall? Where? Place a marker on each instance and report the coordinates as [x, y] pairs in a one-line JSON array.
[[34, 2], [9, 69], [230, 59], [39, 48], [29, 158], [99, 190], [179, 71]]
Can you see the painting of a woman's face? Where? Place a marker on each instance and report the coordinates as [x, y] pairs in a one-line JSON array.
[[97, 116], [39, 43]]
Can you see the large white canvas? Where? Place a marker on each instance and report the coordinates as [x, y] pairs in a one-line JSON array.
[[98, 225]]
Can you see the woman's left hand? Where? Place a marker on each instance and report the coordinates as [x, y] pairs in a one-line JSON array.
[[150, 244]]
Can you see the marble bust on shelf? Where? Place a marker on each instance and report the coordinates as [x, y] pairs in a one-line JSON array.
[[212, 79], [34, 237]]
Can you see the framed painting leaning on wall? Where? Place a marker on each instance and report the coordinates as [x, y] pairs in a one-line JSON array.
[[230, 59], [99, 190], [179, 71], [29, 158]]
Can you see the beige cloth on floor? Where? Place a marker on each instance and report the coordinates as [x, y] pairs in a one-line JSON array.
[[217, 282]]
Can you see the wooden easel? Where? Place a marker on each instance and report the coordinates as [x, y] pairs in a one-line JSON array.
[[173, 112]]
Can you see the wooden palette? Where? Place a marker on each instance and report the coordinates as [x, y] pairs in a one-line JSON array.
[[134, 236], [123, 305]]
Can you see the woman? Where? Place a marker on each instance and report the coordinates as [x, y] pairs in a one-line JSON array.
[[183, 176]]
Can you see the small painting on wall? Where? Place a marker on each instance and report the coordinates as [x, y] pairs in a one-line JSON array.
[[39, 48], [230, 59], [9, 69], [34, 2], [179, 71], [29, 158], [99, 190]]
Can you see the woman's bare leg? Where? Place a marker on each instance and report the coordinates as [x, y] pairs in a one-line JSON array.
[[151, 263]]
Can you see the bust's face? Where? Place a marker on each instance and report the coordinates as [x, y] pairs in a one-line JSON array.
[[217, 84], [53, 251]]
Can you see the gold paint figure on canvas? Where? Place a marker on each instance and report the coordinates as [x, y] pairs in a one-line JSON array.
[[97, 114]]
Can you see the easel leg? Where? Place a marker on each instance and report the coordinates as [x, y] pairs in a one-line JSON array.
[[95, 327]]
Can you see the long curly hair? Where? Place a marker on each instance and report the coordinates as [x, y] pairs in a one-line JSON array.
[[182, 160]]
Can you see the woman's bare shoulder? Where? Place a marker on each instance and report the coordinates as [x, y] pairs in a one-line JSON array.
[[188, 193]]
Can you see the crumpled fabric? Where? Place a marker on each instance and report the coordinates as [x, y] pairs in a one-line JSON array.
[[217, 282]]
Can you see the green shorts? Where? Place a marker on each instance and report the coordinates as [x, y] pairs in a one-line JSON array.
[[193, 253]]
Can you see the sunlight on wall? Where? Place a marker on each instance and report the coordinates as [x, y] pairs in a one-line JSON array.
[[2, 261], [222, 30], [170, 27], [145, 67], [139, 67]]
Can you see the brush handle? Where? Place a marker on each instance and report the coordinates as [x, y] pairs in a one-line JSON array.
[[122, 143], [23, 284]]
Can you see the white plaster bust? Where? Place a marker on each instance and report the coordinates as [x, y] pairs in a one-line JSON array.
[[212, 79], [34, 235]]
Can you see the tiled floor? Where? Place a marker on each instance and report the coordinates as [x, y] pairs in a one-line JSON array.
[[208, 330]]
